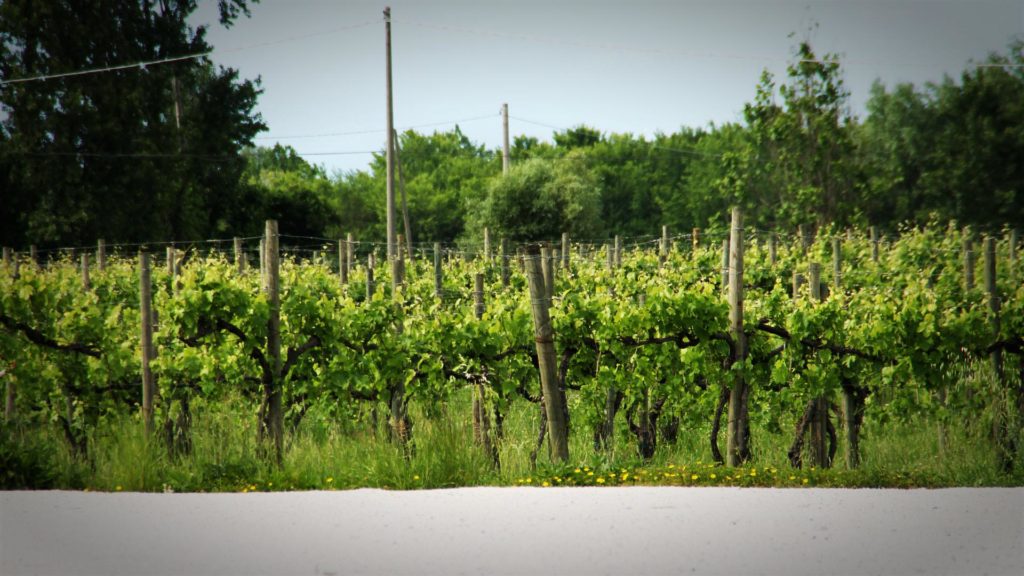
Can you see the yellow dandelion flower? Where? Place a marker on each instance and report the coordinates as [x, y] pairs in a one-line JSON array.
[[753, 472], [713, 476], [245, 490], [416, 477], [546, 484], [792, 477], [577, 470], [600, 480], [625, 476], [805, 480], [586, 468], [590, 473], [694, 477], [529, 480], [330, 479], [671, 465], [118, 488], [269, 484]]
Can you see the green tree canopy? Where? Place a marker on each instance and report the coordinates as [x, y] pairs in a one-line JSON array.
[[136, 154], [540, 199]]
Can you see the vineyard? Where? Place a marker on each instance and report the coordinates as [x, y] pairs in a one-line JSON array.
[[563, 352]]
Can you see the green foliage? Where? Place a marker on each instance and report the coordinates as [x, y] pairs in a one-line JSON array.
[[129, 155], [541, 199]]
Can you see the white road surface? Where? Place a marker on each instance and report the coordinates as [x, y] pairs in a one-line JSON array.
[[620, 531]]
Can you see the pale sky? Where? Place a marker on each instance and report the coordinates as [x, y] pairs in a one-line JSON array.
[[642, 66]]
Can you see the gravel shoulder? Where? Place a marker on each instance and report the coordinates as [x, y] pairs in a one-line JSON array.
[[635, 530]]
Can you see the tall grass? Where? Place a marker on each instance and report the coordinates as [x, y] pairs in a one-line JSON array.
[[323, 453]]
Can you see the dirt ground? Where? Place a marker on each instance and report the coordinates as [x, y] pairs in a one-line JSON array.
[[621, 531]]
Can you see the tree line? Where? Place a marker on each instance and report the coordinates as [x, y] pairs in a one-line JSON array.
[[166, 152]]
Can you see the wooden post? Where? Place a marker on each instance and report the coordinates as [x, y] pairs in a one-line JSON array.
[[994, 300], [390, 153], [798, 281], [553, 396], [33, 255], [772, 248], [84, 265], [397, 269], [1002, 432], [8, 253], [737, 425], [505, 272], [405, 205], [146, 344], [565, 250], [10, 395], [342, 264], [874, 244], [968, 247], [663, 247], [239, 255], [370, 286], [695, 236], [101, 255], [481, 416], [1012, 240], [618, 251], [170, 263], [819, 425], [506, 161], [263, 261], [837, 257], [350, 254], [438, 273], [274, 423], [487, 244], [549, 272], [725, 264]]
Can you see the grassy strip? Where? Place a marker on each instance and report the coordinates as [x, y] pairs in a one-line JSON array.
[[324, 454]]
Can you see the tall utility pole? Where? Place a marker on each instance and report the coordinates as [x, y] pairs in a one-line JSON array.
[[506, 162], [391, 143]]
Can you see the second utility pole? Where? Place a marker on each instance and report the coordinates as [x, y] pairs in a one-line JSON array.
[[391, 144], [505, 160]]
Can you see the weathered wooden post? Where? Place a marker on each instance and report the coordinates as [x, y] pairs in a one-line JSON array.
[[438, 273], [725, 264], [481, 412], [819, 424], [553, 396], [370, 286], [146, 344], [663, 247], [968, 249], [837, 257], [618, 251], [342, 264], [773, 249], [549, 272], [737, 425], [695, 236], [505, 255], [274, 417], [84, 266], [565, 251], [101, 255], [239, 255]]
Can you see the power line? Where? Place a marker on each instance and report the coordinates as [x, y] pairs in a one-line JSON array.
[[378, 130], [147, 63]]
